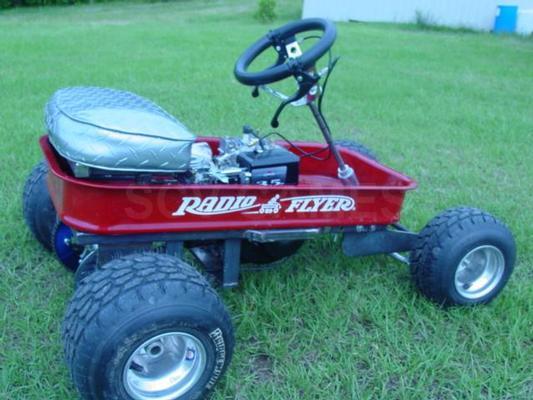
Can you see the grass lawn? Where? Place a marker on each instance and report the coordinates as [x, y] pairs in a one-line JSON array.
[[454, 110]]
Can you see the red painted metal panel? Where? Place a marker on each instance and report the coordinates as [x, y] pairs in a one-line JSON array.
[[319, 200]]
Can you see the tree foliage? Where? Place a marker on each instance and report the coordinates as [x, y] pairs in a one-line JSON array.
[[33, 3], [266, 11]]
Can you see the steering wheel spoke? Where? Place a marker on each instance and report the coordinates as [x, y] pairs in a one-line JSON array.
[[302, 101], [274, 92], [323, 71]]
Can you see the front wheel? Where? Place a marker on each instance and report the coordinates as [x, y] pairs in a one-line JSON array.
[[146, 326], [464, 256]]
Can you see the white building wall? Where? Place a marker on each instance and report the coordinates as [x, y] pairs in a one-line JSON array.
[[475, 14]]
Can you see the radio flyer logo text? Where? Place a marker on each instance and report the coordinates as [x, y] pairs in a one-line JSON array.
[[217, 205]]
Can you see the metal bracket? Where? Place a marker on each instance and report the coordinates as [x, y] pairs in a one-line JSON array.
[[360, 240], [379, 242], [175, 249], [281, 234], [232, 263], [293, 49], [88, 262]]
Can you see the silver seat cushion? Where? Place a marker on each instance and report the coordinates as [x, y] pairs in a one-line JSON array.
[[116, 130]]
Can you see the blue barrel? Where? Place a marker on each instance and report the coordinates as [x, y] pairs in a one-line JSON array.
[[506, 19]]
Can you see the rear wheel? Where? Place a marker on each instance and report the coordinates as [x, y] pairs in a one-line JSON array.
[[463, 256], [41, 218], [37, 208], [146, 326], [357, 147]]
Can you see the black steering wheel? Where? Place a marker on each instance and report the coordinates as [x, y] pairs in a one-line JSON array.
[[290, 59]]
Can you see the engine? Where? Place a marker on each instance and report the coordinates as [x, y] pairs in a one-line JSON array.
[[246, 160]]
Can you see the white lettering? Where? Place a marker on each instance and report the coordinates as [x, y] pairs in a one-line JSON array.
[[294, 205], [346, 204], [330, 205], [305, 203], [186, 203], [214, 205], [248, 201], [225, 203], [220, 356], [207, 205], [318, 204]]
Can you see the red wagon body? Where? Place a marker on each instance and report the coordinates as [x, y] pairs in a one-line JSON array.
[[319, 200]]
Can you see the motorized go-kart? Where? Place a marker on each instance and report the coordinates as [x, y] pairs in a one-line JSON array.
[[125, 189]]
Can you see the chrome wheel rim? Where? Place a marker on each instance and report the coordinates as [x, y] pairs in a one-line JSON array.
[[164, 367], [479, 272]]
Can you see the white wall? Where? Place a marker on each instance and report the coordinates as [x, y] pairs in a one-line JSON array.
[[475, 14]]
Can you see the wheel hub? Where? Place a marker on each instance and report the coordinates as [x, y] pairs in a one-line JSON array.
[[164, 367], [68, 254], [479, 272]]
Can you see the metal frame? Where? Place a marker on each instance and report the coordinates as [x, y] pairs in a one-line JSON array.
[[361, 240]]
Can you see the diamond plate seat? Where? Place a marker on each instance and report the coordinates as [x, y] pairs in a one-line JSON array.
[[116, 130]]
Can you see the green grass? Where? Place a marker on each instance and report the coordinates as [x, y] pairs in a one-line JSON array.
[[454, 110]]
